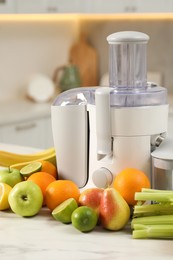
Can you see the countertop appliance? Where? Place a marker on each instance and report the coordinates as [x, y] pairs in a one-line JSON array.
[[101, 130], [162, 166]]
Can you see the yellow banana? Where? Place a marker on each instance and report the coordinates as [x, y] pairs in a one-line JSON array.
[[51, 158], [44, 152], [8, 158]]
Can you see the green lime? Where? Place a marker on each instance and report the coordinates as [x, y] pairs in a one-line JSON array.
[[31, 168], [64, 211], [84, 218]]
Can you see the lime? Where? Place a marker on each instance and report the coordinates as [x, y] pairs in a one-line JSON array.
[[64, 210], [84, 218], [4, 192], [30, 168]]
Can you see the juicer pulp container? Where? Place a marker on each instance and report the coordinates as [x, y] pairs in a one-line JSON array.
[[162, 166]]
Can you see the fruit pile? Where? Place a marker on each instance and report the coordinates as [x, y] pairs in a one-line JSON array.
[[27, 190], [34, 183], [24, 190]]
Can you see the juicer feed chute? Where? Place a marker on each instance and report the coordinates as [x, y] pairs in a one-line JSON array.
[[127, 60], [101, 130]]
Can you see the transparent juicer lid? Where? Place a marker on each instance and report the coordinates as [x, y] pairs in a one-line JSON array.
[[127, 75]]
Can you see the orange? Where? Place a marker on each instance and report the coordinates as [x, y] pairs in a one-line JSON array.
[[42, 179], [49, 168], [59, 191], [129, 181]]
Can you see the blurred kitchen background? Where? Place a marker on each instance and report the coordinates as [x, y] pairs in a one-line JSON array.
[[41, 39]]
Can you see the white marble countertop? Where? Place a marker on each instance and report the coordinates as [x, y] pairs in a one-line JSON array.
[[42, 237]]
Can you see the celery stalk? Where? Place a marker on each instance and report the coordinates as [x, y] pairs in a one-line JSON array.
[[152, 231], [154, 196], [152, 210], [153, 220], [154, 190]]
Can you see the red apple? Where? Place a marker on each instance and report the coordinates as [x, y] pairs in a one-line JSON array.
[[114, 210], [91, 197]]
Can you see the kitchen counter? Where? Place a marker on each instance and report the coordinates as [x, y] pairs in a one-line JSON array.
[[22, 109], [42, 237], [25, 122]]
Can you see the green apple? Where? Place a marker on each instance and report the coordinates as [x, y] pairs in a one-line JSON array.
[[26, 199], [10, 176]]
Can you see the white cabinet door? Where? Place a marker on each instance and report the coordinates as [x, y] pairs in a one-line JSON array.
[[86, 6], [48, 6], [31, 6], [107, 6], [7, 6], [76, 6], [48, 136], [30, 133], [127, 6], [154, 6], [1, 134], [63, 6]]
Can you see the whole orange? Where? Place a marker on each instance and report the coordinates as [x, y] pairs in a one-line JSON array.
[[49, 168], [42, 179], [129, 181], [60, 190]]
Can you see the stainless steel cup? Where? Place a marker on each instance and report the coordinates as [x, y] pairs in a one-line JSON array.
[[162, 166]]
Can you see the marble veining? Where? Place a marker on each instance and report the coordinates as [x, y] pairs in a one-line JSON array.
[[41, 237]]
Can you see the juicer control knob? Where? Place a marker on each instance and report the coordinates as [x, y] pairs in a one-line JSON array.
[[102, 177]]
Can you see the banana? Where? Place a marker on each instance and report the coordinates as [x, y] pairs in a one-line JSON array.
[[7, 158], [45, 152], [51, 158]]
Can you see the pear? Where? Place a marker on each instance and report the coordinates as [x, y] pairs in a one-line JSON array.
[[114, 210]]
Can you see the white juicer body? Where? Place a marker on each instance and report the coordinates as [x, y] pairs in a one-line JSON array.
[[132, 132], [100, 131]]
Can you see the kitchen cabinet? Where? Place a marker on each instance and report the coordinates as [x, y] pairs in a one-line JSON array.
[[127, 6], [34, 133], [154, 6], [30, 6], [48, 137], [87, 6], [107, 6], [7, 6], [63, 6], [76, 6], [48, 6]]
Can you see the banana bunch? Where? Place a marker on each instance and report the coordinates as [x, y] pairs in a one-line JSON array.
[[17, 161]]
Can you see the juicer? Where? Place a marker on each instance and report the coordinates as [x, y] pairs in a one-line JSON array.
[[99, 131]]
